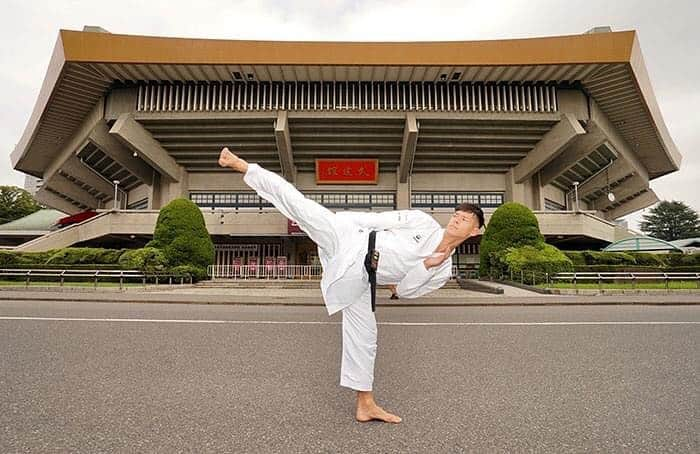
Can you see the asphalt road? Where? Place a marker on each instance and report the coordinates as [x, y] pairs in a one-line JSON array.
[[481, 379]]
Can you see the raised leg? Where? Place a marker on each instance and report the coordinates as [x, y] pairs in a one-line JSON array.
[[313, 218]]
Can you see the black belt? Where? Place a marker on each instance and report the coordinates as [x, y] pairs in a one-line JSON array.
[[371, 262]]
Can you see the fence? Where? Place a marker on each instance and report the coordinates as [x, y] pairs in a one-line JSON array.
[[309, 272], [94, 276], [634, 278]]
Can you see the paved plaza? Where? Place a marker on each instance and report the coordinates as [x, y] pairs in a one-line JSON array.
[[118, 377]]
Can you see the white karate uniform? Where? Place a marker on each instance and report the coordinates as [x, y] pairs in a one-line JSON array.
[[404, 239]]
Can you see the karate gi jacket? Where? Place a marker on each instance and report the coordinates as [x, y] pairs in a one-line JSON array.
[[344, 278]]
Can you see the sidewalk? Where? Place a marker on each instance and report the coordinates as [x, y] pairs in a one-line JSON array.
[[307, 297]]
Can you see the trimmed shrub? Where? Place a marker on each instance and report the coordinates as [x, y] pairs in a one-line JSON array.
[[196, 272], [647, 259], [148, 260], [511, 225], [8, 258], [675, 259], [81, 255], [576, 257], [608, 258], [19, 259], [182, 235], [540, 260]]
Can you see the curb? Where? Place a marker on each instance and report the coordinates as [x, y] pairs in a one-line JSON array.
[[125, 297]]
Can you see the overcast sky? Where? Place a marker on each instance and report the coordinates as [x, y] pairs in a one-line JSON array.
[[667, 32]]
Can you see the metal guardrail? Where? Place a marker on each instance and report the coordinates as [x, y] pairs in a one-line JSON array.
[[96, 275], [576, 277], [309, 272]]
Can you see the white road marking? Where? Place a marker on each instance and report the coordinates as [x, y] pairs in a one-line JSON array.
[[282, 322]]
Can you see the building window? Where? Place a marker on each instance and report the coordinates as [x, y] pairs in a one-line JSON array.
[[336, 200], [228, 200], [452, 199], [354, 200], [551, 205]]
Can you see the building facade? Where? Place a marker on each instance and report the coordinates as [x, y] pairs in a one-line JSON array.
[[567, 125]]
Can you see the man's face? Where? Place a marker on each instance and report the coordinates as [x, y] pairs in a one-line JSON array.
[[463, 225]]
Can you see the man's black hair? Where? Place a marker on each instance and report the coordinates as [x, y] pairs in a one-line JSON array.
[[472, 208]]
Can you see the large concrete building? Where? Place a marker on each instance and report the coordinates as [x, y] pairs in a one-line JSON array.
[[555, 123]]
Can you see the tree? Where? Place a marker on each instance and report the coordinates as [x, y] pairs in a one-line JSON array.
[[511, 225], [671, 221], [183, 237], [15, 203]]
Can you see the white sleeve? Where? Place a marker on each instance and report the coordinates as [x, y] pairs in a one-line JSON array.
[[386, 220], [419, 281]]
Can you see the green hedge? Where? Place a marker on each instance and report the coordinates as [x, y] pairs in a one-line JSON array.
[[542, 260], [511, 225], [148, 259], [80, 255], [683, 259], [13, 258], [647, 259], [595, 258], [82, 266], [636, 269]]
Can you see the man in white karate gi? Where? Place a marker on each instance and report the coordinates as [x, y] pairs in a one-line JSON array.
[[415, 258]]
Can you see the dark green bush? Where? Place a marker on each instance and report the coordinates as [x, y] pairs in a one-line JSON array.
[[18, 259], [197, 273], [541, 261], [675, 259], [182, 235], [617, 269], [511, 225], [81, 255], [148, 259], [608, 258], [647, 259], [82, 266], [576, 257]]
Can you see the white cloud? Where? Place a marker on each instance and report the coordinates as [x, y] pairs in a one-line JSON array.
[[667, 34]]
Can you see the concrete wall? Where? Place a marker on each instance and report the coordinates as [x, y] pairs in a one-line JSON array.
[[138, 193], [555, 194], [458, 182]]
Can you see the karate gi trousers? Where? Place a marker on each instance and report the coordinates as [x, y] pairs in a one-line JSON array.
[[359, 326]]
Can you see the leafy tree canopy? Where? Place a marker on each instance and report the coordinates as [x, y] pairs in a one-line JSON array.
[[15, 203], [671, 221]]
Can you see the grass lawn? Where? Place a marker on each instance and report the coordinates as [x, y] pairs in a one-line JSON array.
[[683, 285]]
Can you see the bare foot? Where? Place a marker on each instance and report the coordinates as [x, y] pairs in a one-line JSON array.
[[228, 159], [373, 411]]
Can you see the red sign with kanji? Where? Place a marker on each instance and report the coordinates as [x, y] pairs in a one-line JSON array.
[[347, 171]]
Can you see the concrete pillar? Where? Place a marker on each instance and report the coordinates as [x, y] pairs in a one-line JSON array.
[[169, 190], [515, 192], [403, 192], [537, 193], [154, 196]]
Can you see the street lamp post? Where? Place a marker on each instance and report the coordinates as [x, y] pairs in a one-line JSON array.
[[116, 186]]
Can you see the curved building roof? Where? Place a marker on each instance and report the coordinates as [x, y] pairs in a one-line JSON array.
[[608, 66], [641, 243]]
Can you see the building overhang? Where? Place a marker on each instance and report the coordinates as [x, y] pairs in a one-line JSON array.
[[85, 65]]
